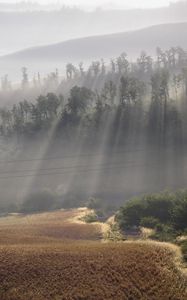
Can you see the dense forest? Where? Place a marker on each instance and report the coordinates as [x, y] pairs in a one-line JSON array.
[[133, 114]]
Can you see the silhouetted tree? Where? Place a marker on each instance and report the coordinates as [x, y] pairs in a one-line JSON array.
[[25, 80]]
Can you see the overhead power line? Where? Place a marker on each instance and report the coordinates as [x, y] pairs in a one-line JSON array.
[[109, 167], [79, 155], [63, 167]]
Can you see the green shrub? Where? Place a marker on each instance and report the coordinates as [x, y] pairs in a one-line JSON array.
[[130, 215], [164, 208], [179, 217], [90, 218], [184, 249], [164, 233], [94, 203], [100, 213], [149, 222], [159, 206]]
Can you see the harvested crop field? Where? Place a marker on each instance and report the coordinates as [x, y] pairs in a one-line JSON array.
[[62, 224], [89, 271], [55, 256]]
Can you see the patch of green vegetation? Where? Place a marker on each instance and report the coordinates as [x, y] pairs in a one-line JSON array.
[[94, 203], [164, 212], [90, 218], [149, 222], [184, 249], [164, 233]]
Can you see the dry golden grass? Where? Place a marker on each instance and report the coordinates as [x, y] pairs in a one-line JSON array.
[[42, 227], [51, 257]]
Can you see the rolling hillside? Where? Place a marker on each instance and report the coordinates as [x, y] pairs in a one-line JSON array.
[[107, 46], [28, 25], [51, 256], [45, 59]]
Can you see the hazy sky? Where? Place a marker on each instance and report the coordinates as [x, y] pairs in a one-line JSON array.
[[108, 3]]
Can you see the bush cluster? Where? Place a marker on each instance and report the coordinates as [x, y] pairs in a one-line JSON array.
[[166, 212]]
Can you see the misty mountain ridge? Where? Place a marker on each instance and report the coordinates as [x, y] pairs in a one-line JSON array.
[[107, 46], [47, 27], [45, 59]]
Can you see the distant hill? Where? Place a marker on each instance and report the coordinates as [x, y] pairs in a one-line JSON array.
[[27, 25], [47, 58], [107, 46]]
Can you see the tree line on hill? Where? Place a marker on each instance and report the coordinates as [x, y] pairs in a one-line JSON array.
[[147, 98], [173, 59]]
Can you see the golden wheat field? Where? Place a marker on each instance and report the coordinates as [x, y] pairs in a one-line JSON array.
[[44, 227], [53, 256]]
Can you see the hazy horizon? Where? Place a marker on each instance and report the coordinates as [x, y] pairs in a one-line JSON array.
[[83, 4], [59, 22]]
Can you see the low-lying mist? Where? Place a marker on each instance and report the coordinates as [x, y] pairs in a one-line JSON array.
[[108, 131]]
